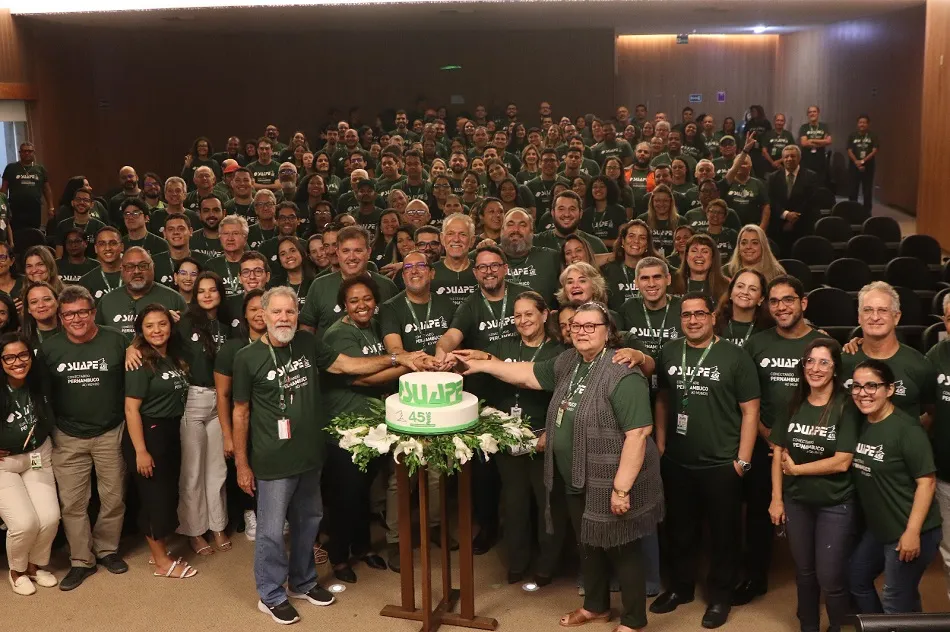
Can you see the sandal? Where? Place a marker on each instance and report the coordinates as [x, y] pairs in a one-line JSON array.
[[224, 545], [186, 571], [578, 618], [196, 546]]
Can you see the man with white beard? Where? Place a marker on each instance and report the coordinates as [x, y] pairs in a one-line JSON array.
[[278, 405]]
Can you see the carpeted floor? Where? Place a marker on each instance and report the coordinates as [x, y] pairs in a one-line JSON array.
[[222, 598]]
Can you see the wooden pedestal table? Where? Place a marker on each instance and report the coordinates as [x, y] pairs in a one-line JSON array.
[[443, 612]]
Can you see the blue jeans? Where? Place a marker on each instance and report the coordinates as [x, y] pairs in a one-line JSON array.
[[296, 499], [901, 579]]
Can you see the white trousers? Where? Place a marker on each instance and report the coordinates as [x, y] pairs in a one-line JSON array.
[[29, 508], [202, 505]]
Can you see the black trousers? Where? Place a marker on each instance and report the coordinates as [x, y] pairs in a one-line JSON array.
[[817, 162], [486, 494], [522, 482], [863, 180], [713, 493], [346, 492], [626, 562], [158, 494], [759, 530]]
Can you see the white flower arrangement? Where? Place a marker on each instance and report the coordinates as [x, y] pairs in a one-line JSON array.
[[367, 437]]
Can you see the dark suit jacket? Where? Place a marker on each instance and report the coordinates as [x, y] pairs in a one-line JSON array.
[[801, 199]]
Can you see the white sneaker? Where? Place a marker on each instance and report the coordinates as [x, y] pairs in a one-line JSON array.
[[22, 585], [44, 578], [250, 525]]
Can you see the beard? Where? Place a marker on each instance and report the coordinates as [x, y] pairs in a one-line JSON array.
[[567, 230], [516, 249], [137, 285], [281, 333]]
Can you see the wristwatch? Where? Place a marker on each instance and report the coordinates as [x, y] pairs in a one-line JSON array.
[[620, 493], [392, 359], [745, 465]]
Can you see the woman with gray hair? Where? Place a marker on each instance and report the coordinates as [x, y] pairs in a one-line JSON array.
[[598, 447], [581, 283]]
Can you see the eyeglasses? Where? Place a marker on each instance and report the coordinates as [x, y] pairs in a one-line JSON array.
[[108, 244], [821, 362], [255, 272], [79, 313], [426, 245], [286, 218], [868, 387], [264, 205], [485, 267], [409, 267], [232, 233], [82, 200], [698, 315], [187, 273], [440, 186], [5, 257], [587, 328], [286, 172], [141, 266], [10, 358], [787, 301], [417, 212], [133, 213], [876, 311], [74, 242]]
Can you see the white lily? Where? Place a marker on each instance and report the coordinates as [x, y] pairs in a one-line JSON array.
[[409, 446], [488, 444], [517, 430], [462, 452], [351, 438], [380, 439]]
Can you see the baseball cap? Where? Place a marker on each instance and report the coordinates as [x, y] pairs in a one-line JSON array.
[[231, 168], [365, 182], [725, 140]]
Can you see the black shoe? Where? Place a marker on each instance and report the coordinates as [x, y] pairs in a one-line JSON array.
[[318, 596], [747, 591], [515, 577], [542, 580], [76, 576], [345, 574], [716, 615], [435, 537], [374, 561], [668, 602], [113, 563], [283, 613], [392, 555], [483, 542]]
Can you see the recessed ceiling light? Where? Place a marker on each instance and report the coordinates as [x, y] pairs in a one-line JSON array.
[[758, 30]]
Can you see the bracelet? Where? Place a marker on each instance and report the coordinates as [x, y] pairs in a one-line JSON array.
[[392, 359], [621, 493]]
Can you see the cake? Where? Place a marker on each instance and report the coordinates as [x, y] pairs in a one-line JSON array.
[[431, 403]]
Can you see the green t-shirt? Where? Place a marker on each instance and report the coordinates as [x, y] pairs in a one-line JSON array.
[[545, 223], [89, 230], [696, 217], [890, 455], [663, 325], [224, 361], [807, 439], [621, 284], [456, 286], [29, 421], [551, 240], [200, 362], [72, 272], [340, 395], [629, 400], [153, 244], [483, 322], [604, 150], [939, 357], [710, 435], [257, 236], [819, 131], [99, 282], [862, 144], [747, 199], [257, 379], [321, 309], [233, 207], [538, 270], [915, 378], [725, 242], [264, 174], [209, 247], [230, 273], [165, 267], [542, 192], [604, 224], [25, 186], [776, 360], [369, 221], [775, 142], [118, 309], [723, 165], [162, 389], [157, 217], [87, 382], [504, 396], [662, 233], [421, 328]]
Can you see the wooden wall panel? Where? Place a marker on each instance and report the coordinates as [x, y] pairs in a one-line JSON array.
[[100, 91], [656, 71], [11, 53], [869, 66], [933, 208]]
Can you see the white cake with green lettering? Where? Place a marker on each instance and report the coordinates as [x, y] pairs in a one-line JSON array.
[[431, 403]]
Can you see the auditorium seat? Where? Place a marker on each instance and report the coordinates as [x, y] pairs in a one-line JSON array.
[[884, 227], [848, 274], [832, 310], [817, 252], [26, 238], [913, 307], [936, 306], [801, 271], [931, 336], [923, 247], [853, 212], [837, 230]]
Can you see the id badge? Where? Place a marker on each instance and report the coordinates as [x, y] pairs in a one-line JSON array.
[[516, 412], [681, 421], [559, 418], [654, 382], [36, 461], [814, 150], [283, 428]]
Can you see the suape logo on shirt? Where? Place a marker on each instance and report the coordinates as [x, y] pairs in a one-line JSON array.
[[627, 287], [86, 365], [826, 432], [295, 365], [456, 289], [875, 452], [495, 324], [710, 372], [741, 193], [374, 349], [426, 324], [779, 363], [517, 273], [647, 333]]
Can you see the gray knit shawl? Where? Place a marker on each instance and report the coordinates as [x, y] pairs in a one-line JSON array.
[[597, 444]]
